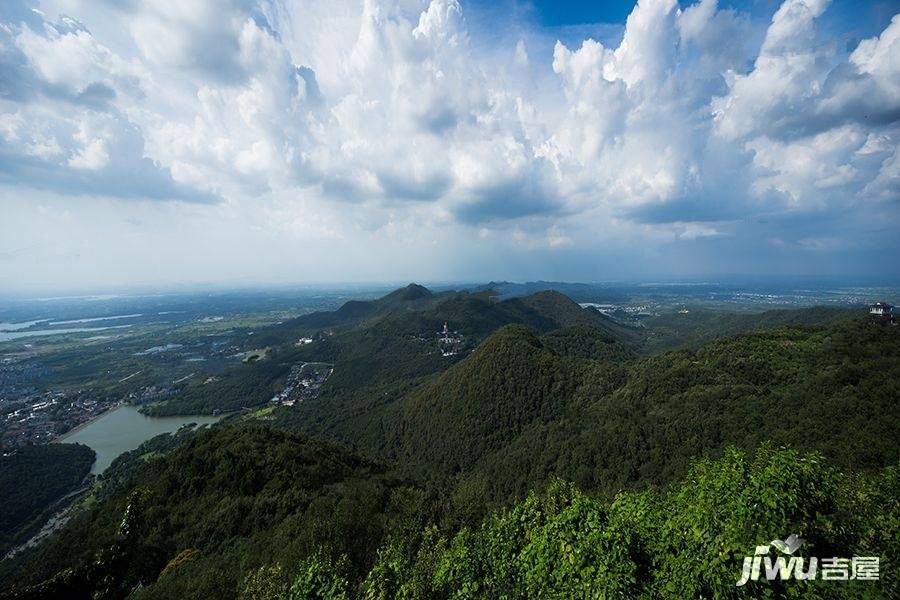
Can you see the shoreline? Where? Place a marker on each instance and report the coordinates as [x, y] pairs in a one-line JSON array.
[[119, 405], [62, 437], [117, 433]]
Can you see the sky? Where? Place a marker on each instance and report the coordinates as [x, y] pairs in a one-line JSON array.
[[251, 142]]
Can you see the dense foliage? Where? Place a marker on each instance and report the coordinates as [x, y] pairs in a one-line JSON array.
[[482, 404], [588, 342], [686, 541], [32, 478], [575, 403], [695, 327], [194, 523], [550, 458], [515, 413], [378, 346]]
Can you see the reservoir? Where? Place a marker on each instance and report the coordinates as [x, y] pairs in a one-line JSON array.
[[124, 428], [9, 334]]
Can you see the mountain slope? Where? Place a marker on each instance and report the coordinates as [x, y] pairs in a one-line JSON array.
[[565, 312], [477, 406], [516, 412], [352, 313], [378, 348], [32, 478], [686, 541], [196, 522], [245, 507], [676, 330], [587, 342], [411, 293]]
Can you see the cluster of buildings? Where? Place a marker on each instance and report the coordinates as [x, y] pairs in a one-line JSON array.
[[40, 418], [450, 342], [628, 312], [16, 375], [882, 311], [304, 382]]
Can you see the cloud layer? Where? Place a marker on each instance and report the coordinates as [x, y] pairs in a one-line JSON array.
[[397, 119]]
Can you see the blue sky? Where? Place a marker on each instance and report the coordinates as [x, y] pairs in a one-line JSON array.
[[861, 15], [279, 141], [572, 12]]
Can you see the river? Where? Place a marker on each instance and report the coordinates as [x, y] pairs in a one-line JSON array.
[[124, 428]]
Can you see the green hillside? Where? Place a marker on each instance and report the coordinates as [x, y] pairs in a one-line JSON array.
[[378, 347], [197, 522], [31, 480], [577, 404], [517, 412], [588, 342], [675, 330], [253, 513], [686, 541], [481, 404], [354, 312], [547, 457]]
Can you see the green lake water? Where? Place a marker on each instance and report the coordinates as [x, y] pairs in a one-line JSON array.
[[123, 429]]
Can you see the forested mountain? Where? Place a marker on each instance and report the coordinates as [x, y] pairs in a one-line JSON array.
[[675, 330], [390, 342], [832, 390], [516, 411], [576, 403], [254, 513], [483, 403], [549, 457], [387, 342], [589, 342], [411, 297], [195, 523], [32, 478], [376, 365], [685, 541]]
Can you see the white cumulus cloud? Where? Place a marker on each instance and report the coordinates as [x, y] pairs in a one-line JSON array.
[[397, 117]]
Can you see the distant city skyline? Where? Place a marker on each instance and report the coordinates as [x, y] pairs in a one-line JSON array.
[[276, 142]]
